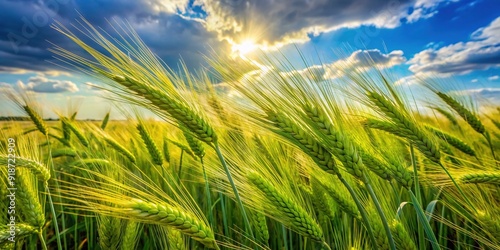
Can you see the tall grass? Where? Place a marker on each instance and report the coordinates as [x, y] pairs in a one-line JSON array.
[[291, 161]]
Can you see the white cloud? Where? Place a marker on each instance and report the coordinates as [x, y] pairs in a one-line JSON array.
[[41, 84], [364, 60], [493, 78], [473, 80], [360, 60], [480, 53], [273, 24], [490, 94]]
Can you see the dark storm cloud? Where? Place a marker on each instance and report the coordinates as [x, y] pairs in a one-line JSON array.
[[25, 30], [275, 22]]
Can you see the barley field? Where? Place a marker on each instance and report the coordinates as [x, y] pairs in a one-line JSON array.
[[283, 162]]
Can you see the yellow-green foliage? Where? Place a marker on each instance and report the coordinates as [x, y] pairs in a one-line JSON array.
[[343, 163]]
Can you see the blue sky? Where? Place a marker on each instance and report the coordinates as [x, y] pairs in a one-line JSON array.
[[449, 39]]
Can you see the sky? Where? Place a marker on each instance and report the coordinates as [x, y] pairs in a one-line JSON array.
[[439, 39]]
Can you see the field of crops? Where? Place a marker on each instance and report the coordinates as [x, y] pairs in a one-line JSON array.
[[262, 160]]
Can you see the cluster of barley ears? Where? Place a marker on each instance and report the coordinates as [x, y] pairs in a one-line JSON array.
[[290, 161]]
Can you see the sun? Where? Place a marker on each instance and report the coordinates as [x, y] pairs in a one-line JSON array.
[[244, 47]]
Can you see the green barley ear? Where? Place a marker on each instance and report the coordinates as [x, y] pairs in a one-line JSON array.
[[341, 145], [130, 237], [164, 214], [28, 201], [109, 232], [452, 140], [446, 114], [260, 225], [340, 196], [495, 122], [403, 175], [489, 224], [300, 220], [166, 152], [465, 113], [37, 168], [175, 240], [178, 110], [481, 178], [379, 232], [120, 149], [385, 126], [293, 132], [105, 121], [76, 131], [153, 150], [73, 116], [195, 145], [375, 165], [183, 147], [401, 236], [22, 230], [37, 119], [66, 131], [407, 127], [322, 200]]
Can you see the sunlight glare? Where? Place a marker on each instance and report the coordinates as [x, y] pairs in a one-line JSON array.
[[245, 47]]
